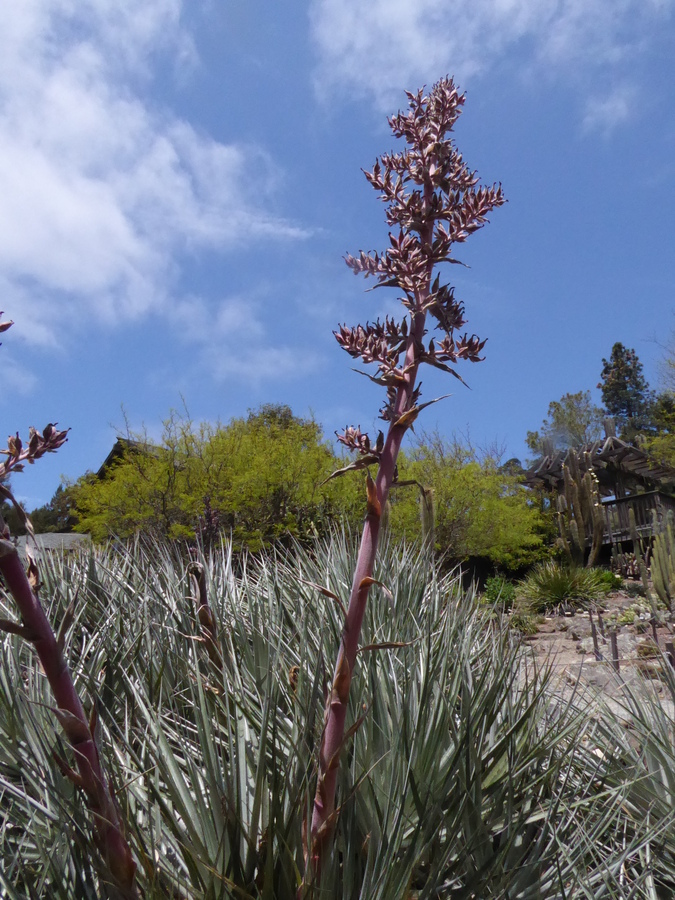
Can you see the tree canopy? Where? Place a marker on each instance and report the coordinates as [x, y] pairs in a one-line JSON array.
[[660, 442], [571, 421], [479, 509], [257, 477], [56, 516], [668, 366], [263, 479]]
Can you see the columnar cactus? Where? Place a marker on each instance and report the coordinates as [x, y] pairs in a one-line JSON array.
[[433, 201], [641, 561], [580, 519], [663, 563]]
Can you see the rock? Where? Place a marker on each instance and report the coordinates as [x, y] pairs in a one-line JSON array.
[[580, 629], [627, 645], [585, 645]]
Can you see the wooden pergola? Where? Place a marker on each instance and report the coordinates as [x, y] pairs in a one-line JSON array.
[[628, 478]]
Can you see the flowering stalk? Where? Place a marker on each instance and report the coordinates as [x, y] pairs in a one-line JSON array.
[[433, 200], [35, 628]]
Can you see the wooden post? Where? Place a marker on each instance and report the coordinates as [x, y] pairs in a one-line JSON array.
[[596, 648], [670, 653], [619, 488], [601, 625], [614, 647]]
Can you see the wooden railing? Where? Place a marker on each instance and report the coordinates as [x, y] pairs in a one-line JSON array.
[[617, 522]]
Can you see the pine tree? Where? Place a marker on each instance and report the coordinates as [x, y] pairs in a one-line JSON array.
[[625, 391]]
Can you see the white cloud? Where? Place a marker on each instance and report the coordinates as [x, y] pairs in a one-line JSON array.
[[605, 113], [16, 378], [377, 48], [100, 191], [230, 340], [223, 324]]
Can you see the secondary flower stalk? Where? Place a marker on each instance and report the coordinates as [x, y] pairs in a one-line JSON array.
[[34, 627], [79, 730]]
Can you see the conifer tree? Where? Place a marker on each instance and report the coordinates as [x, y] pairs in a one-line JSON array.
[[625, 391]]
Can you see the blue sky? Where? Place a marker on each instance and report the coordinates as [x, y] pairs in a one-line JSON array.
[[179, 182]]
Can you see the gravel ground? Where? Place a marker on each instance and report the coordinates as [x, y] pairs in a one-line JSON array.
[[565, 641]]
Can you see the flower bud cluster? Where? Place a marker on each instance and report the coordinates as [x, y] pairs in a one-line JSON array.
[[433, 201], [356, 440], [379, 342], [5, 325], [38, 444], [450, 350]]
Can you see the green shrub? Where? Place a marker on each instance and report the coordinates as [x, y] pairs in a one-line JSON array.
[[610, 580], [479, 510], [257, 478], [551, 584], [499, 589], [648, 650], [522, 619]]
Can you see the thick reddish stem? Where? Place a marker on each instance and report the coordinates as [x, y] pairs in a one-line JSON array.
[[323, 815], [36, 628], [433, 199]]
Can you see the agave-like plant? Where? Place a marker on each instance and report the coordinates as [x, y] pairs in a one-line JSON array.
[[640, 729], [550, 584], [468, 776]]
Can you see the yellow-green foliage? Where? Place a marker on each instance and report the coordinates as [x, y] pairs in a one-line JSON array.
[[261, 476], [480, 511], [661, 442]]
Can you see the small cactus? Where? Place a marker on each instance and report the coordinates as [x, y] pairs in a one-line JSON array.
[[637, 550]]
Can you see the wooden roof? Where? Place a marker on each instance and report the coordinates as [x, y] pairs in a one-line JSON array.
[[122, 446], [52, 541], [613, 460]]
